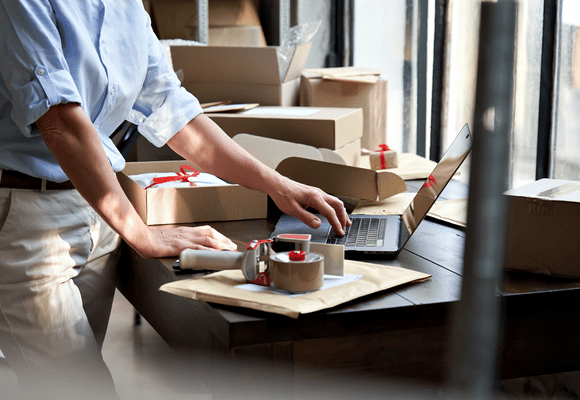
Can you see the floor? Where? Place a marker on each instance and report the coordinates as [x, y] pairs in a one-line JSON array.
[[145, 368]]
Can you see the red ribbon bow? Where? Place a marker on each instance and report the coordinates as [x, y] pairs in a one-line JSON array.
[[383, 148], [180, 176], [430, 182]]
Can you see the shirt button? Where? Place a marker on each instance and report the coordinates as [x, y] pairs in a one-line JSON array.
[[40, 71]]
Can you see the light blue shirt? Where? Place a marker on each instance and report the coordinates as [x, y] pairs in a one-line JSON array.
[[101, 54]]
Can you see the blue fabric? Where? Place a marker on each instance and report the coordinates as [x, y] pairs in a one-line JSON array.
[[101, 54]]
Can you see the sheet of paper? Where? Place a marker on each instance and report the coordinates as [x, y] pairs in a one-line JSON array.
[[204, 179], [330, 281]]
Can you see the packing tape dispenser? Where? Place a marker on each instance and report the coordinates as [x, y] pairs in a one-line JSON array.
[[291, 261]]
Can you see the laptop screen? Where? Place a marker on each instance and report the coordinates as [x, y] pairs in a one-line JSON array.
[[434, 185]]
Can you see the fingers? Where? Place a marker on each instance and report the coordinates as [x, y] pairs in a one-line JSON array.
[[334, 211], [169, 242]]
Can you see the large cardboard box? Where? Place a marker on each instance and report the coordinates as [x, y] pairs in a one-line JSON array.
[[335, 87], [174, 19], [331, 128], [241, 74], [542, 228], [160, 206]]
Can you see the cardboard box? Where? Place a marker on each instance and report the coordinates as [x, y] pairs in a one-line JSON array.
[[174, 19], [336, 87], [542, 229], [314, 167], [241, 74], [252, 36], [350, 154], [192, 204], [343, 180], [331, 128]]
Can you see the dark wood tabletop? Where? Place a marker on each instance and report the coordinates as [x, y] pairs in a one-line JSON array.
[[403, 332]]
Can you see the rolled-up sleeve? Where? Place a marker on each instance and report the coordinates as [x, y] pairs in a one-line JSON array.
[[34, 73], [163, 107]]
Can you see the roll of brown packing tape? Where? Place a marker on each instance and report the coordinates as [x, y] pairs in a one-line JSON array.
[[296, 271]]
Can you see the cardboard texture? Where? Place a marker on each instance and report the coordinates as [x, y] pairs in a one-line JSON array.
[[331, 128], [320, 90], [272, 151], [192, 204], [252, 36], [347, 155], [214, 73], [173, 19], [450, 211], [390, 160], [221, 287], [411, 166], [343, 180], [542, 229]]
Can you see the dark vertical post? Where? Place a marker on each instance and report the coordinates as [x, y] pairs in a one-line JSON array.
[[477, 316], [422, 78], [544, 149], [438, 75]]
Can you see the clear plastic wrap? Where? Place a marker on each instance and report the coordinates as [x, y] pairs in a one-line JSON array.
[[295, 36]]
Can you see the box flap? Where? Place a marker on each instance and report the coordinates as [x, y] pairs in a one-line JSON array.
[[342, 180], [229, 64], [272, 151], [549, 189], [297, 62]]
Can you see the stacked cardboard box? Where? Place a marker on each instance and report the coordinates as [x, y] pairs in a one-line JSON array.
[[350, 87], [242, 74], [337, 129], [231, 22]]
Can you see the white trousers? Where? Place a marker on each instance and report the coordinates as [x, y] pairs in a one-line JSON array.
[[58, 263]]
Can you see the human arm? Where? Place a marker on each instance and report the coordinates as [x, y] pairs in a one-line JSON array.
[[205, 144], [72, 139]]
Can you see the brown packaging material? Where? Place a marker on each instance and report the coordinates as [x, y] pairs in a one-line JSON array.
[[390, 160], [221, 287], [252, 36], [451, 211], [174, 19], [542, 229], [349, 154], [343, 180], [320, 90], [411, 166], [241, 74], [159, 206], [331, 128]]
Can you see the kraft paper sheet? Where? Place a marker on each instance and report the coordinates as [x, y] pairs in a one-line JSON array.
[[221, 287], [451, 211]]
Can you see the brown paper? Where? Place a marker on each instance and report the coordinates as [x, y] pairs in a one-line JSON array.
[[450, 211], [220, 288]]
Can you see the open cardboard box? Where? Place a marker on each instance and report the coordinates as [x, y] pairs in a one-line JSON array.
[[310, 166], [542, 228], [160, 206], [241, 74], [331, 128]]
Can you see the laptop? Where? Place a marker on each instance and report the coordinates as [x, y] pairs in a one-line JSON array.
[[387, 234]]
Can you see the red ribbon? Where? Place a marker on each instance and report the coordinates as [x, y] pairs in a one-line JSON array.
[[181, 176], [383, 148], [254, 243], [430, 182]]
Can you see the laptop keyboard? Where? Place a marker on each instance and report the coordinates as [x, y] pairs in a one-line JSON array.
[[364, 232]]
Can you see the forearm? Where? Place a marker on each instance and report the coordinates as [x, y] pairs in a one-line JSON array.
[[207, 146], [72, 139]]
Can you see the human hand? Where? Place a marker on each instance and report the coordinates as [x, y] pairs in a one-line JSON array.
[[293, 198], [170, 242]]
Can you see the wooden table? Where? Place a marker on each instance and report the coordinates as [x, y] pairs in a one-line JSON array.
[[402, 332]]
